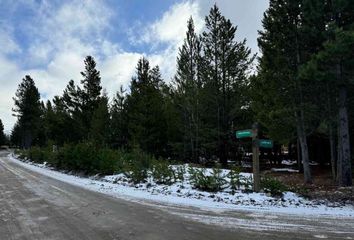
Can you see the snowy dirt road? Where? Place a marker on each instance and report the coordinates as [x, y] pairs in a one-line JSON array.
[[34, 206]]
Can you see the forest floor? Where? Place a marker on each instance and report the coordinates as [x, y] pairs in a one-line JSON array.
[[323, 187]]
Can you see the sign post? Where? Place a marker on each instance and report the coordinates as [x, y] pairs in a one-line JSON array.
[[255, 158], [256, 144], [265, 143], [244, 133]]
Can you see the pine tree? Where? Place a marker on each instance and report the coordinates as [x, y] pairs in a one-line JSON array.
[[91, 92], [333, 65], [2, 134], [28, 111], [227, 64], [146, 118], [118, 123], [15, 136], [293, 32], [187, 93], [100, 122]]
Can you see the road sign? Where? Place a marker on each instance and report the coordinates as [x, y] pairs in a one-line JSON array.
[[265, 143], [244, 133]]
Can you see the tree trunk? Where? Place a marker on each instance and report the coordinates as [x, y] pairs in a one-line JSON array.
[[298, 148], [345, 176], [332, 144], [304, 150], [332, 141]]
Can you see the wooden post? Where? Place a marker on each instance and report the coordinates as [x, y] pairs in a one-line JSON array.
[[255, 158]]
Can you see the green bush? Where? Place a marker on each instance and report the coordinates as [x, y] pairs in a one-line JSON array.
[[110, 162], [179, 173], [273, 186], [202, 181], [36, 155], [162, 172], [235, 178], [85, 157], [138, 164], [248, 183], [22, 154]]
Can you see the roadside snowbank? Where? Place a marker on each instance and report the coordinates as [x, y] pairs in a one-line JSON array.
[[182, 193]]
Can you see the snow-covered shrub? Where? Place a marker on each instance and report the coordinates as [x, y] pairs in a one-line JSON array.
[[205, 182], [273, 186], [248, 183], [138, 164], [236, 179], [162, 172], [179, 173]]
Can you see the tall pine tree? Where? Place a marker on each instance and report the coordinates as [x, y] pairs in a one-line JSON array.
[[225, 73], [28, 111], [187, 93], [2, 134]]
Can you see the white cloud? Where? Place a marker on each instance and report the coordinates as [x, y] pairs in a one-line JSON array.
[[8, 45], [168, 31], [8, 72], [118, 70], [77, 26], [173, 24], [247, 15]]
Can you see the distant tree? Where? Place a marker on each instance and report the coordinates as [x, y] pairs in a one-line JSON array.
[[118, 136], [15, 136], [100, 122], [28, 111], [2, 134], [90, 94], [77, 106], [146, 118]]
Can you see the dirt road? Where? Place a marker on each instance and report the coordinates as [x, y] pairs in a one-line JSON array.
[[33, 206]]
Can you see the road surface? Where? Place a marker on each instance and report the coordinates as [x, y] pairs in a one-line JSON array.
[[33, 206]]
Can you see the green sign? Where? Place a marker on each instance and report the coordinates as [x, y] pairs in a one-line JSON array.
[[265, 143], [244, 133]]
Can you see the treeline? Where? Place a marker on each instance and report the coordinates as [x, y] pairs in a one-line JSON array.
[[3, 138], [190, 118], [303, 84]]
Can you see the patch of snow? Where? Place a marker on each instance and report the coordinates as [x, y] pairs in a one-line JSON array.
[[284, 170], [289, 162], [182, 193]]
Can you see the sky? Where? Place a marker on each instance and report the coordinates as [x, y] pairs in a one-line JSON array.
[[49, 39]]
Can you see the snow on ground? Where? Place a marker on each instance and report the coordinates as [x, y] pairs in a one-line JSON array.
[[289, 162], [182, 193], [284, 170]]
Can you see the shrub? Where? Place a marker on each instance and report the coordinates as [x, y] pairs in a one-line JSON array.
[[235, 179], [138, 164], [162, 172], [248, 183], [36, 155], [107, 160], [202, 181], [85, 158], [179, 173], [273, 186], [22, 154]]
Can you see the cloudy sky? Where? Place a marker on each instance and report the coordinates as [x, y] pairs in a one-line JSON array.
[[48, 39]]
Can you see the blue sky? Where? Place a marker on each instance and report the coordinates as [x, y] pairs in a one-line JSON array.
[[49, 39]]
